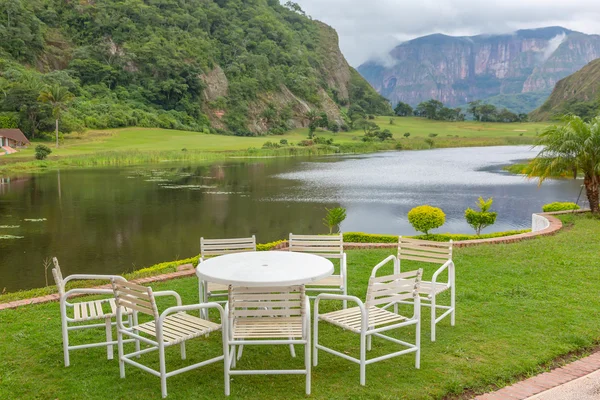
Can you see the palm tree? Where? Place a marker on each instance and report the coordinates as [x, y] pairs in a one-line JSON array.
[[58, 97], [572, 147]]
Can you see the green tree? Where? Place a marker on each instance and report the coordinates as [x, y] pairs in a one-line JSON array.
[[429, 109], [403, 109], [58, 98], [483, 218], [335, 217], [573, 146], [474, 109]]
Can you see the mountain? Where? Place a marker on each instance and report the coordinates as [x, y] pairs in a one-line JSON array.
[[237, 66], [457, 70], [578, 93]]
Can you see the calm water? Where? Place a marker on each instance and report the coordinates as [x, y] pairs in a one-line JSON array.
[[119, 219]]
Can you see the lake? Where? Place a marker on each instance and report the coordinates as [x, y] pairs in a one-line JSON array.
[[114, 220]]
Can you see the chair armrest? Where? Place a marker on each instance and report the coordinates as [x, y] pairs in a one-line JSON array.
[[384, 262], [173, 293], [91, 277], [442, 269], [343, 267], [86, 291]]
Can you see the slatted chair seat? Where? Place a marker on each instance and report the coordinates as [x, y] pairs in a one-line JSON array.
[[174, 323], [73, 314], [374, 316], [213, 248], [430, 288], [332, 280], [440, 254], [267, 328], [330, 247], [350, 318], [268, 316], [93, 310], [179, 327]]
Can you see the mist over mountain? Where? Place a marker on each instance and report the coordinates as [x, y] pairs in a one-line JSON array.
[[520, 68]]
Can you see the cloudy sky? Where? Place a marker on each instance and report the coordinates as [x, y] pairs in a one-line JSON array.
[[370, 28]]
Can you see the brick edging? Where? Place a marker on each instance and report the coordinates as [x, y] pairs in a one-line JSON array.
[[547, 380], [182, 271]]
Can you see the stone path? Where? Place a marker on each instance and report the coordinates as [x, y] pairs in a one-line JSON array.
[[579, 380]]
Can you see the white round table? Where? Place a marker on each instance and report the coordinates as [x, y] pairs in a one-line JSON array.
[[265, 269]]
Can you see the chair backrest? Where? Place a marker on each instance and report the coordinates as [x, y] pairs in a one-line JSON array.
[[218, 247], [135, 297], [328, 246], [393, 288], [424, 250], [58, 277], [248, 302]]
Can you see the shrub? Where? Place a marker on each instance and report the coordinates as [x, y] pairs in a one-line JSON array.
[[322, 140], [483, 218], [398, 146], [335, 216], [270, 145], [283, 142], [430, 143], [558, 206], [360, 237], [42, 151], [305, 143], [425, 218], [406, 134], [268, 246], [432, 135]]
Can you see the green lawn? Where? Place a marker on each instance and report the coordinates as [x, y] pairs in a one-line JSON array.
[[519, 306], [155, 139]]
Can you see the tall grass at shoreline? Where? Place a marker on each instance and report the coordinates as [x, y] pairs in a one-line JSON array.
[[138, 157]]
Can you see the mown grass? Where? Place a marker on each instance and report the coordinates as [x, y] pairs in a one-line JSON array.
[[130, 146], [520, 306]]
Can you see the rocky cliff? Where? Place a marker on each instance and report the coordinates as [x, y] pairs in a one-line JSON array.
[[456, 70]]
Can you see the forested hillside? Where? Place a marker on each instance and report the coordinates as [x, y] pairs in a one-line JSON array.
[[577, 94], [240, 66]]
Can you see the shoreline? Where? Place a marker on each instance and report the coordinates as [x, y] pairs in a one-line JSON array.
[[151, 157]]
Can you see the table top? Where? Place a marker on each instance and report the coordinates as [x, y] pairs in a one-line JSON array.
[[265, 268]]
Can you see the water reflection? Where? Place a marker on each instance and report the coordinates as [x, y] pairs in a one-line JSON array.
[[119, 219]]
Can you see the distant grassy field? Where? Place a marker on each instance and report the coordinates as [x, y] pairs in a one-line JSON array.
[[145, 145]]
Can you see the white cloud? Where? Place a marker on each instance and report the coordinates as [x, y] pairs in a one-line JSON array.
[[370, 28]]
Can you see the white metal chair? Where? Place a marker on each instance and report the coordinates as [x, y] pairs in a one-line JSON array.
[[268, 316], [218, 247], [328, 246], [436, 253], [172, 327], [368, 320], [86, 311]]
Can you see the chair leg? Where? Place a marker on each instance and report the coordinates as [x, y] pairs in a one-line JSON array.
[[109, 348], [65, 336], [307, 361], [292, 350], [240, 351], [418, 343], [182, 349], [233, 357], [369, 340], [227, 364], [316, 340], [433, 317], [363, 359], [163, 369], [453, 305], [120, 351]]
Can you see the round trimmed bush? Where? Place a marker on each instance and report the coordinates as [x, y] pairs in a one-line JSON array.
[[425, 218], [558, 206]]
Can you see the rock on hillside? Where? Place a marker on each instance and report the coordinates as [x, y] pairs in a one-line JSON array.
[[456, 70], [582, 87]]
